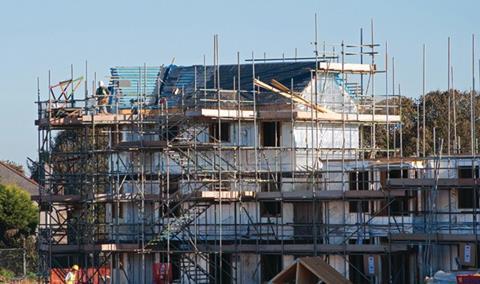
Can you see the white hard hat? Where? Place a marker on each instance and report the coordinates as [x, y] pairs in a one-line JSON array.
[[101, 84]]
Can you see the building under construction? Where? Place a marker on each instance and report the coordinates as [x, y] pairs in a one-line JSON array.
[[228, 173]]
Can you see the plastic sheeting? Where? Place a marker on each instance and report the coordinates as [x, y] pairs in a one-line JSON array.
[[327, 136], [128, 83], [177, 84], [330, 94]]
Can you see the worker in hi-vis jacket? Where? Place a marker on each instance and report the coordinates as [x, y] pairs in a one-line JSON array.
[[102, 95], [71, 277]]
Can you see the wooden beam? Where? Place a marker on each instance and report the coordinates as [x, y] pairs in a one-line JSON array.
[[323, 270], [292, 96], [347, 68], [280, 86], [333, 116], [287, 115]]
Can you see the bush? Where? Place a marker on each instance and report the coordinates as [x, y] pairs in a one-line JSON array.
[[6, 275], [18, 215]]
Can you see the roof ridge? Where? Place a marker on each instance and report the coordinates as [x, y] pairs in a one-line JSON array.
[[19, 173]]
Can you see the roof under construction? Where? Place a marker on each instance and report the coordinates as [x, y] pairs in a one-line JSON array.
[[176, 83]]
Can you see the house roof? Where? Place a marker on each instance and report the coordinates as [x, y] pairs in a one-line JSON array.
[[309, 270], [184, 76], [9, 175], [197, 85], [167, 82]]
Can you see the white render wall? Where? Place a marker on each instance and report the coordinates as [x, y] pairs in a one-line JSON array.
[[329, 141], [447, 200], [338, 213], [304, 139]]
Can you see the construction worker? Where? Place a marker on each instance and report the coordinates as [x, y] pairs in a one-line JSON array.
[[102, 94], [71, 277]]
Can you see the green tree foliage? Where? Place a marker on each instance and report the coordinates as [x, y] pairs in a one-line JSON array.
[[407, 107], [436, 117], [18, 215], [6, 275], [35, 171], [76, 156], [77, 164]]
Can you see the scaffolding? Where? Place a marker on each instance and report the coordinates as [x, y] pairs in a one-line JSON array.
[[225, 173]]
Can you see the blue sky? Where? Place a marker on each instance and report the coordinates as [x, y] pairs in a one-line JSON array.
[[37, 36]]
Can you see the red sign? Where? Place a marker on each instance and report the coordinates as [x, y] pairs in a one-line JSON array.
[[468, 279], [162, 273]]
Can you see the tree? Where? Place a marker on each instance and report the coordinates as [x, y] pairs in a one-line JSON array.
[[36, 172], [76, 163], [409, 128], [72, 158], [436, 117], [18, 215]]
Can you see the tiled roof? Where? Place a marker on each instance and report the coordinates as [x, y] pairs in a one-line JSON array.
[[9, 175]]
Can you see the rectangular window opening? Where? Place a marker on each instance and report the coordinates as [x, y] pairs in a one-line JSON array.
[[117, 210], [172, 211], [120, 211], [358, 206], [398, 173], [468, 172], [271, 134], [219, 132], [272, 182], [398, 207], [271, 265], [225, 273], [270, 209], [466, 198], [358, 180]]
